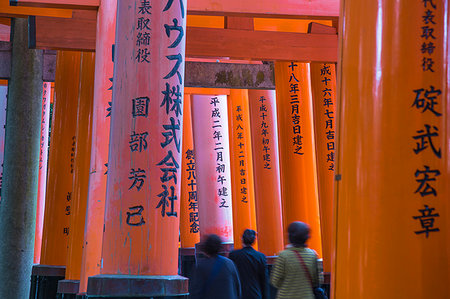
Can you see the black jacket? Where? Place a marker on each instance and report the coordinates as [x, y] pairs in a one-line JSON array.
[[223, 285], [252, 270]]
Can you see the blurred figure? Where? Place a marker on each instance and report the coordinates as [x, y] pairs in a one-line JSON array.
[[251, 266], [289, 272], [215, 276]]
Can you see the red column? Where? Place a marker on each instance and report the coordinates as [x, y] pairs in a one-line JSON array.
[[142, 199], [297, 151], [42, 183], [81, 167], [266, 167], [189, 220], [323, 83], [212, 153], [244, 213], [93, 235], [61, 157]]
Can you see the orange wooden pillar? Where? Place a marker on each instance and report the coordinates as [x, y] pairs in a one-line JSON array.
[[60, 175], [263, 117], [43, 159], [189, 220], [93, 235], [81, 178], [323, 83], [3, 99], [393, 168], [244, 213], [297, 152], [141, 227], [61, 159], [212, 153]]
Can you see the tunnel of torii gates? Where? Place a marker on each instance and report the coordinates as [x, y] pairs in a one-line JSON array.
[[197, 117]]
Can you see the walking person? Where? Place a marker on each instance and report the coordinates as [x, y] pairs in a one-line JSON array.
[[251, 266], [215, 276], [295, 272]]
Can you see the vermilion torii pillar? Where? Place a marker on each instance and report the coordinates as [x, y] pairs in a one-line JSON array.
[[95, 212], [140, 241], [244, 213], [263, 116], [212, 155], [43, 159], [393, 208], [297, 150], [323, 86], [81, 178]]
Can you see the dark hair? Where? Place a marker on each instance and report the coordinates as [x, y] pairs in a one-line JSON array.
[[212, 245], [298, 233], [248, 237]]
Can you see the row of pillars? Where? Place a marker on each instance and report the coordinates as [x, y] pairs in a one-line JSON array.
[[392, 159]]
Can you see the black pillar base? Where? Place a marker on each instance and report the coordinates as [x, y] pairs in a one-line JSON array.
[[68, 289], [187, 262], [134, 286], [44, 281]]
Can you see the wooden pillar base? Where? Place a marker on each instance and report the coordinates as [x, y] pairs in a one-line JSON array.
[[44, 281], [187, 261], [135, 286], [68, 288]]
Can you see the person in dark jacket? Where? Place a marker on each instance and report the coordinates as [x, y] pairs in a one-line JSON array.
[[251, 266], [215, 276]]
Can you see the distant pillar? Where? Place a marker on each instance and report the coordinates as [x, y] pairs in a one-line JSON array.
[[393, 167], [266, 169], [21, 164], [297, 148], [81, 176], [43, 159], [323, 83], [3, 100], [244, 213], [60, 177], [212, 156], [101, 116], [189, 218], [141, 230]]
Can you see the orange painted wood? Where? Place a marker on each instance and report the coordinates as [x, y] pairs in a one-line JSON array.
[[262, 45], [143, 188], [66, 4], [323, 87], [13, 11], [262, 8], [240, 44], [392, 111], [266, 169], [189, 219], [238, 23], [318, 28], [61, 159], [93, 236], [243, 191], [297, 148], [77, 33], [212, 156], [42, 180], [81, 167], [267, 8]]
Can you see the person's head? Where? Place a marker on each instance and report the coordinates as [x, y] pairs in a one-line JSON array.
[[212, 245], [298, 233], [248, 237]]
